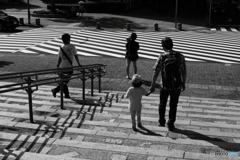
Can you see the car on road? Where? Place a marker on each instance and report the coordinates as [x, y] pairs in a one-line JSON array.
[[8, 22]]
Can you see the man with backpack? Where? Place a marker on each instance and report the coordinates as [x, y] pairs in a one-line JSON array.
[[172, 69]]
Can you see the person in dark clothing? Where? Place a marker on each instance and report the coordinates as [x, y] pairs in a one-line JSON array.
[[132, 48], [172, 81]]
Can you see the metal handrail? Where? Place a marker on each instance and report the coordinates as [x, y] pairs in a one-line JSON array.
[[83, 73], [48, 71]]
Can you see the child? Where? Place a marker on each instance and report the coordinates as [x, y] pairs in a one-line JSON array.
[[134, 94]]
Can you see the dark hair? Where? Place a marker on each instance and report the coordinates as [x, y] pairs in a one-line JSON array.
[[133, 36], [167, 43], [65, 37], [136, 85]]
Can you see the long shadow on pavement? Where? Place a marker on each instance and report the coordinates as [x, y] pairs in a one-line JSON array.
[[5, 63], [227, 146]]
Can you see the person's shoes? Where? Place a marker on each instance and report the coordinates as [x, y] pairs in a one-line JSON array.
[[128, 77], [134, 128], [68, 97], [171, 127], [140, 125], [161, 124], [54, 93]]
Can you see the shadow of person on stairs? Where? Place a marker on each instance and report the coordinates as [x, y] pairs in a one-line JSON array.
[[146, 131], [224, 144]]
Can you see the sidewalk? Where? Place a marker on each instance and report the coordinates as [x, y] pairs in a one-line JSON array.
[[206, 80]]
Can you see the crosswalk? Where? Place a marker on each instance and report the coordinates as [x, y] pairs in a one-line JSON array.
[[226, 29], [204, 47], [12, 43]]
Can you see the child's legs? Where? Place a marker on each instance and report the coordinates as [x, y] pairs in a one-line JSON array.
[[133, 115], [139, 117]]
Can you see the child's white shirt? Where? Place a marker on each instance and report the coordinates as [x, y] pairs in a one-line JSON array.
[[135, 98]]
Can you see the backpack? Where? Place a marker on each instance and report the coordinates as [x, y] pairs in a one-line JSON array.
[[171, 77]]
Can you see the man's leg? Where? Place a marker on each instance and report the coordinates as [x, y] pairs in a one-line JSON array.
[[66, 91], [65, 87], [162, 106], [55, 90], [174, 96]]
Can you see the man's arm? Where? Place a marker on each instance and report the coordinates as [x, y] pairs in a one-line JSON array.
[[184, 74], [59, 61], [76, 57], [154, 78]]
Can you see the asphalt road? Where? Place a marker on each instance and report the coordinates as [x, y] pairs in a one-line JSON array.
[[17, 30]]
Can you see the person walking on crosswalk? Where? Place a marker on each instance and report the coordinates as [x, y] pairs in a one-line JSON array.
[[172, 69], [65, 60], [132, 48]]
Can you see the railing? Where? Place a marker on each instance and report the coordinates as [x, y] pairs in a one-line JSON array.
[[83, 73]]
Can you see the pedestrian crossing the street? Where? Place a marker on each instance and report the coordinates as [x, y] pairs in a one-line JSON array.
[[226, 29], [12, 43], [195, 46], [203, 47]]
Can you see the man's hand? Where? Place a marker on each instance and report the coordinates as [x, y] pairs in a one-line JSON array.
[[183, 87], [151, 90]]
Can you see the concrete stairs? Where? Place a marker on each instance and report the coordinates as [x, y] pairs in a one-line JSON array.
[[100, 128]]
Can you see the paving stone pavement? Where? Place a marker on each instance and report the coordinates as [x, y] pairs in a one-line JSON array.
[[206, 80], [207, 119], [207, 128]]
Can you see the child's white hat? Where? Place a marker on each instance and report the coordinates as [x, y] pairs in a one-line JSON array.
[[136, 78]]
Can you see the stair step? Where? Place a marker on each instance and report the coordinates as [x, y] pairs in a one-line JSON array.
[[102, 129]]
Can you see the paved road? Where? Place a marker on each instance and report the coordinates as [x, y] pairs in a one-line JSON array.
[[227, 29], [201, 47]]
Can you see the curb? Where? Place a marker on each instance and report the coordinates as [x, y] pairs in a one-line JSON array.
[[52, 15]]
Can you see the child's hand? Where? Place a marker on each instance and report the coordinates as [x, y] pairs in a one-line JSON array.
[[149, 92]]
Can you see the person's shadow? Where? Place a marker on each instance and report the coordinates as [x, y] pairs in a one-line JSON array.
[[5, 63], [228, 146], [146, 131]]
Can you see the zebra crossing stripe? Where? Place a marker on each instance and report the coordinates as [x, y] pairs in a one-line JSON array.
[[224, 29], [234, 29], [213, 29]]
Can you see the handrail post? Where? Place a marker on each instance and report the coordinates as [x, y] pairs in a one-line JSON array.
[[92, 77], [61, 93], [99, 79], [83, 84], [30, 91], [61, 90]]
